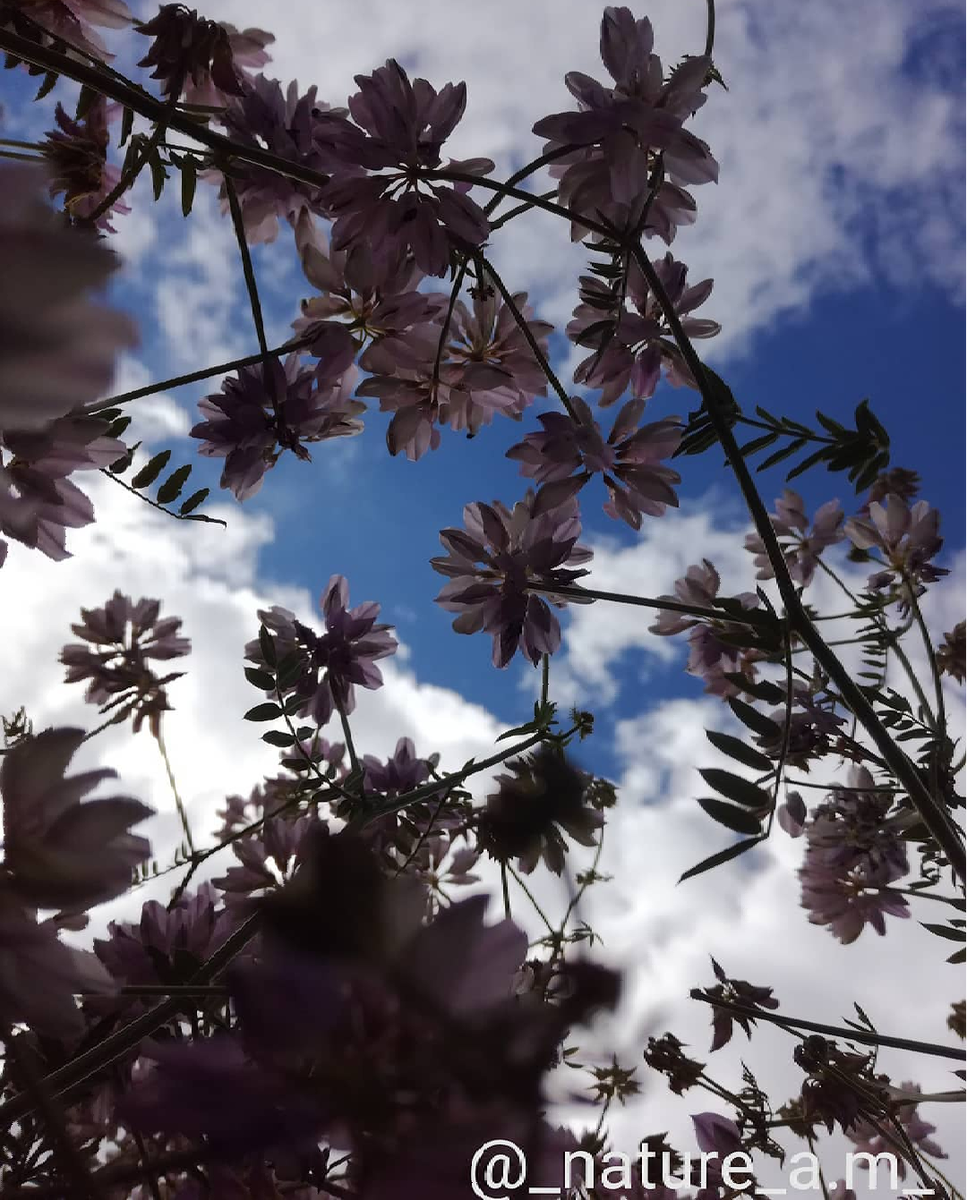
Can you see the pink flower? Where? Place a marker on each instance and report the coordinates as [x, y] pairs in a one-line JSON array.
[[491, 564], [622, 130], [629, 461], [61, 853], [801, 547], [907, 537], [76, 153], [401, 127], [632, 347]]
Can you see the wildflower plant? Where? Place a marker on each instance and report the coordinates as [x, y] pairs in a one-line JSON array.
[[291, 1024]]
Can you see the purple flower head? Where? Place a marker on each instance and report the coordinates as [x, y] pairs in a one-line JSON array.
[[199, 58], [76, 154], [332, 662], [121, 640], [400, 773], [952, 655], [287, 125], [489, 365], [58, 852], [165, 946], [73, 21], [267, 859], [405, 378], [59, 349], [624, 132], [853, 853], [908, 538], [41, 502], [399, 129], [268, 408], [800, 545], [494, 561], [716, 1134], [631, 347], [629, 461], [709, 657], [351, 291]]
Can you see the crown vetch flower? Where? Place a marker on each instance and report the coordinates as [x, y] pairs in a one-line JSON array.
[[853, 853], [631, 347], [76, 154], [73, 21], [270, 407], [495, 559], [709, 657], [127, 636], [622, 130], [800, 545], [351, 291], [58, 852], [907, 537], [59, 349], [629, 461], [400, 128], [289, 126], [332, 662], [199, 58], [48, 503], [952, 655]]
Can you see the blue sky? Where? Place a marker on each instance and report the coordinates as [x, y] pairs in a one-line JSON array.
[[835, 237]]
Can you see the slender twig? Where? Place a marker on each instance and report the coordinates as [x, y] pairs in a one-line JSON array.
[[866, 1038], [160, 507], [179, 803], [748, 617]]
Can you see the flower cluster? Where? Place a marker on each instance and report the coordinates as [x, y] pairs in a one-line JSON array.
[[331, 664], [499, 562], [264, 410], [854, 851], [800, 545], [121, 641], [908, 538], [76, 154]]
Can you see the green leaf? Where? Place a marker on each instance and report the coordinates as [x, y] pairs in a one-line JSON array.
[[758, 443], [127, 124], [734, 787], [85, 99], [723, 856], [735, 748], [263, 712], [189, 178], [739, 820], [944, 931], [809, 461], [293, 704], [958, 956], [289, 669], [755, 720], [786, 452], [171, 488], [263, 680], [151, 470], [158, 174], [193, 501], [267, 644], [47, 86], [277, 737]]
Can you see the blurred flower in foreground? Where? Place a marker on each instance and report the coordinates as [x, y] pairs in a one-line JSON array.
[[59, 853], [58, 349], [73, 21]]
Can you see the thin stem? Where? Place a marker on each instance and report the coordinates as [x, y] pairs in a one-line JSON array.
[[163, 385], [941, 720], [531, 341], [505, 890], [709, 27], [866, 1038], [749, 617], [935, 817], [530, 896], [160, 507], [179, 804], [545, 678]]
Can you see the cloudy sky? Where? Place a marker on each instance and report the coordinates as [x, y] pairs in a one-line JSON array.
[[835, 239]]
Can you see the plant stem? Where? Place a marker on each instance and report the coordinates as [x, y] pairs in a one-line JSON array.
[[159, 738], [750, 617]]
